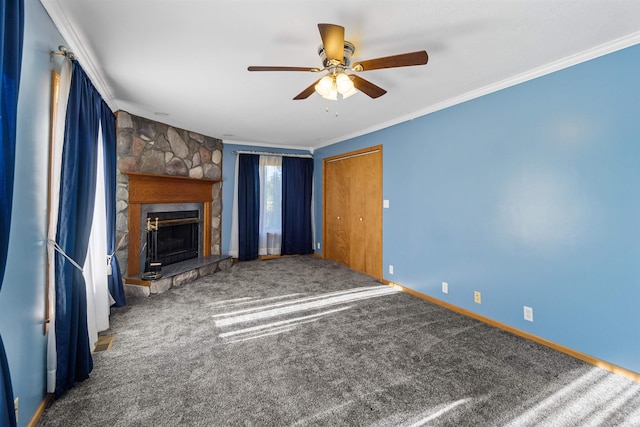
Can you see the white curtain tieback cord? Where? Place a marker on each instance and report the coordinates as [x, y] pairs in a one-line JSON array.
[[58, 249]]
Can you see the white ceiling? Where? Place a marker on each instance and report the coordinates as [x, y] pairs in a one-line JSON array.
[[188, 59]]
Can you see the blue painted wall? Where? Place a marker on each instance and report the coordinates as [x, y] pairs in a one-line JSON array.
[[228, 180], [530, 195], [22, 297]]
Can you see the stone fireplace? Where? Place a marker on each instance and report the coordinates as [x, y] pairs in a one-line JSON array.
[[163, 169]]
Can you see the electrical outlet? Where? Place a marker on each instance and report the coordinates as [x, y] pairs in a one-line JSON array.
[[390, 269], [528, 313], [445, 288], [15, 404], [318, 245], [477, 297], [385, 204]]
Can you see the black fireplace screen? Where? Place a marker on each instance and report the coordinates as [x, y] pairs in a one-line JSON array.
[[177, 235]]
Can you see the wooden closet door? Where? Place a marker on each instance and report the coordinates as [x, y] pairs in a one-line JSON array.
[[353, 211], [337, 202], [366, 214]]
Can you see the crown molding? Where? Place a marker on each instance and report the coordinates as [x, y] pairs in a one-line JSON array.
[[552, 67], [83, 54], [267, 145]]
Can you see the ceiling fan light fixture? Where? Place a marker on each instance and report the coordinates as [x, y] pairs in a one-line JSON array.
[[333, 94], [333, 84], [344, 84], [324, 86], [348, 93]]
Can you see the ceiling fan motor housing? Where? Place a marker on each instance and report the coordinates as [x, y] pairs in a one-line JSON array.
[[349, 49]]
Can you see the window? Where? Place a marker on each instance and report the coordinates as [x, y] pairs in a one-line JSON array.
[[270, 205]]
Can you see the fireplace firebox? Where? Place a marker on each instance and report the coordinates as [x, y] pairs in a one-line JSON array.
[[170, 233], [177, 237]]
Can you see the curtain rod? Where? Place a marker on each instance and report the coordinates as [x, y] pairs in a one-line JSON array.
[[64, 51], [264, 153]]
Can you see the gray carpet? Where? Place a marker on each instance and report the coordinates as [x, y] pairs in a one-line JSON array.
[[302, 341]]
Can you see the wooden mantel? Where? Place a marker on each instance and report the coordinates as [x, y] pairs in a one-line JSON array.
[[150, 189]]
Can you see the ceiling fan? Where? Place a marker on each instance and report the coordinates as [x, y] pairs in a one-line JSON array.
[[336, 53]]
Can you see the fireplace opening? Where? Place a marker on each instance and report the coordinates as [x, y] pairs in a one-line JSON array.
[[177, 236]]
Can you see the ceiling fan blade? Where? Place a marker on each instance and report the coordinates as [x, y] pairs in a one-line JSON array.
[[333, 41], [402, 60], [276, 68], [367, 87], [307, 92]]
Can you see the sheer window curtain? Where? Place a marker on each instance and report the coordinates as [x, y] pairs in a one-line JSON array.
[[270, 235], [95, 273], [233, 242], [109, 145]]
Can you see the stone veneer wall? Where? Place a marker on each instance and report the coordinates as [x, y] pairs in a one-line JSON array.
[[156, 148]]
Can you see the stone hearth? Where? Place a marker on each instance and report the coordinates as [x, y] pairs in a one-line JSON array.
[[180, 273]]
